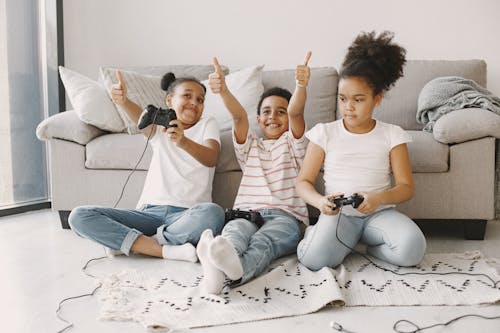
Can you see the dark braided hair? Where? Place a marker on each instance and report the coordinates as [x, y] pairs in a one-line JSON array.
[[275, 91], [376, 59], [169, 82]]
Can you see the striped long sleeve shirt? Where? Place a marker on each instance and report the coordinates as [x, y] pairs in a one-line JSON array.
[[269, 171]]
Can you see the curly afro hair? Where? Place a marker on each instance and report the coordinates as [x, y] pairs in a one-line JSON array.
[[375, 58]]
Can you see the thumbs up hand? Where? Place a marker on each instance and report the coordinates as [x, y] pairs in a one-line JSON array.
[[216, 80], [119, 90], [302, 72]]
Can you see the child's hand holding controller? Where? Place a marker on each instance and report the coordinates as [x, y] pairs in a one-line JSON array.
[[370, 202], [326, 205]]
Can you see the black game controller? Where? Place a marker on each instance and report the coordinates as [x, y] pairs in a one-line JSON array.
[[158, 116], [250, 215], [354, 200]]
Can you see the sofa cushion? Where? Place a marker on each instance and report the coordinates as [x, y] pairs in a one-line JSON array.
[[427, 154], [466, 124], [122, 151], [321, 93], [399, 105], [67, 126], [118, 151], [91, 101], [227, 159]]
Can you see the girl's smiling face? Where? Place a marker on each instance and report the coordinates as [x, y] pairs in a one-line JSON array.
[[188, 101]]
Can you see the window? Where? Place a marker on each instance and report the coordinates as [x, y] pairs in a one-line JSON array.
[[25, 100]]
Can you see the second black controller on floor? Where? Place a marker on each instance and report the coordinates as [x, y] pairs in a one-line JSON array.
[[250, 215], [354, 200], [158, 116]]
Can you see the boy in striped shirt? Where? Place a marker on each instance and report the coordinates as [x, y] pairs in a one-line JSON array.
[[270, 166]]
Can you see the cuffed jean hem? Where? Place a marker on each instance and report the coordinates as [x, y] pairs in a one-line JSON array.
[[159, 235], [129, 240]]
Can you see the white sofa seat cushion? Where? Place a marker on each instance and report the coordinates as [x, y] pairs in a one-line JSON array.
[[122, 151], [427, 154], [117, 151]]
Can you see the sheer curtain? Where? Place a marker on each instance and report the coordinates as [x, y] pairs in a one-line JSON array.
[[26, 98]]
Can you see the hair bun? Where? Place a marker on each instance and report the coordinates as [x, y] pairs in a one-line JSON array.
[[167, 80]]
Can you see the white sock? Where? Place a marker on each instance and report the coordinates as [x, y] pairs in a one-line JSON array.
[[213, 278], [224, 257], [186, 252], [110, 253]]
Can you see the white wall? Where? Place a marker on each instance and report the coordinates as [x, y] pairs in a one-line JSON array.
[[272, 32]]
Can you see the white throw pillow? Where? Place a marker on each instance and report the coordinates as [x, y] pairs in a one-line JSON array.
[[246, 86], [90, 101], [141, 89]]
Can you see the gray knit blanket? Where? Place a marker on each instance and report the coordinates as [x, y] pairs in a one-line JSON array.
[[445, 94]]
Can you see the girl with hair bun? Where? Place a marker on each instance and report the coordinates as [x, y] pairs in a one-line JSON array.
[[358, 155], [175, 206]]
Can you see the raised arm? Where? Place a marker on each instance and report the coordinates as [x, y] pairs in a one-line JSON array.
[[297, 103], [217, 83], [134, 111]]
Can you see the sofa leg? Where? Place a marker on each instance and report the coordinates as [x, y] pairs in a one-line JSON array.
[[63, 215], [474, 229]]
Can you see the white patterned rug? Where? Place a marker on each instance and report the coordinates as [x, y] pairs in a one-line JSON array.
[[167, 294]]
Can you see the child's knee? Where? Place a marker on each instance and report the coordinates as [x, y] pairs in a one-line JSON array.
[[412, 250], [316, 261], [77, 217], [213, 215], [315, 254]]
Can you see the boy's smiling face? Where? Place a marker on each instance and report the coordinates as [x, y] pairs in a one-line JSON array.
[[273, 118]]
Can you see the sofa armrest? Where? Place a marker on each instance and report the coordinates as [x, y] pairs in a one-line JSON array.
[[466, 124], [67, 126]]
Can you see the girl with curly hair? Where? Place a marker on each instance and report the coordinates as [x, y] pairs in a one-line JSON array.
[[358, 155]]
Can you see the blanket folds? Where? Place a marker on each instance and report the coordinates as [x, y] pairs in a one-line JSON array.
[[446, 94]]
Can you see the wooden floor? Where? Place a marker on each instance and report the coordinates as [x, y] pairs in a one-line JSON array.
[[40, 264]]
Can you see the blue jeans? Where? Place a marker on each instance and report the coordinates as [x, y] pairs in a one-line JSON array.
[[389, 235], [119, 228], [258, 247]]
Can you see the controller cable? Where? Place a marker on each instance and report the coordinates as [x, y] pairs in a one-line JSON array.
[[70, 324], [84, 270], [139, 161], [397, 325]]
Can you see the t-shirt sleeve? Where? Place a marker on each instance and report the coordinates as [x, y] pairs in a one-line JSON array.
[[317, 135], [212, 130], [297, 147], [241, 150], [399, 136]]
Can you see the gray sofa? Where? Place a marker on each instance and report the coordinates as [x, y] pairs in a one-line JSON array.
[[454, 177]]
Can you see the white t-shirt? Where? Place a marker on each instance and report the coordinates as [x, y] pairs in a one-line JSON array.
[[175, 177], [269, 171], [357, 162]]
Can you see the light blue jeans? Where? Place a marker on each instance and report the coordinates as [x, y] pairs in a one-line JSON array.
[[258, 247], [389, 235], [119, 228]]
